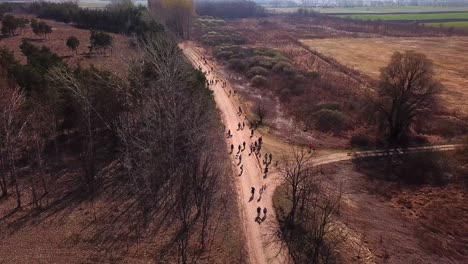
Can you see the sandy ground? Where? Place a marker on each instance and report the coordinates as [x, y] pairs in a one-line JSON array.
[[368, 55], [261, 248]]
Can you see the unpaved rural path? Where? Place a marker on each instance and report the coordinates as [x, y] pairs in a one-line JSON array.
[[261, 248]]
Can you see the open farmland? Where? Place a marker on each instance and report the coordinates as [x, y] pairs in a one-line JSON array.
[[410, 17], [375, 9], [458, 25], [370, 54]]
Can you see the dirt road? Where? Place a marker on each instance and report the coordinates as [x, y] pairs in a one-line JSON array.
[[260, 247], [257, 233]]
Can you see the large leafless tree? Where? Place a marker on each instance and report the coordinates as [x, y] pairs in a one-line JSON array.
[[407, 89], [12, 122]]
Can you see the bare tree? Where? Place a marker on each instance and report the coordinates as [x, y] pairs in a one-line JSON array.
[[178, 15], [172, 154], [306, 225], [296, 172], [12, 122], [407, 89], [84, 95]]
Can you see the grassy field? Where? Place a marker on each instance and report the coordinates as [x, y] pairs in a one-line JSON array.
[[410, 17], [384, 9], [450, 56], [458, 25]]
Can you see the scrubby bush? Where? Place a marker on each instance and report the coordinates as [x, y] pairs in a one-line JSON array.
[[328, 105], [299, 78], [278, 67], [257, 70], [423, 168], [225, 55], [360, 141], [263, 61], [237, 65], [331, 121], [313, 75], [259, 81], [449, 127]]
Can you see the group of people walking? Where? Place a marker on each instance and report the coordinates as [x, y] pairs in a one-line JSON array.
[[255, 147]]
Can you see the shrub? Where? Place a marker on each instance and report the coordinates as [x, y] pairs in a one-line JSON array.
[[224, 55], [237, 65], [263, 61], [423, 168], [449, 127], [259, 81], [328, 105], [360, 141], [290, 71], [331, 121], [299, 78], [278, 67], [257, 70], [313, 75]]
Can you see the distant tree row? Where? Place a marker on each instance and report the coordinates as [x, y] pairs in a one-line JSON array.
[[229, 9], [124, 18]]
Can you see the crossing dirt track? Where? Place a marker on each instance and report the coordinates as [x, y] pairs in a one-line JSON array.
[[260, 245]]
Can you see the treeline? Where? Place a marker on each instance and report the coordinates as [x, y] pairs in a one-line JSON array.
[[229, 9], [116, 18]]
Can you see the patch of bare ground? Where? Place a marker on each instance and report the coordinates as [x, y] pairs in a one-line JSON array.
[[71, 227], [115, 61], [397, 225]]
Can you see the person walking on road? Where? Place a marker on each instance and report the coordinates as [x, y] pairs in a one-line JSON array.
[[259, 211], [238, 149], [243, 144], [264, 212], [252, 190], [240, 159], [271, 158], [251, 133], [232, 148]]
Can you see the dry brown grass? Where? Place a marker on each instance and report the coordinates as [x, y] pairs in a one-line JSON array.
[[450, 56]]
